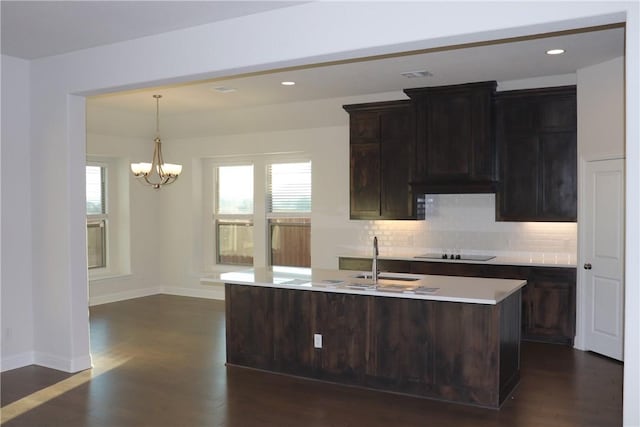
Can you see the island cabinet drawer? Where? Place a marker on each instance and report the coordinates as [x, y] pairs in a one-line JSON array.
[[467, 353]]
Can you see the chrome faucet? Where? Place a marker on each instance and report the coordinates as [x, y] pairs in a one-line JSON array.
[[374, 261]]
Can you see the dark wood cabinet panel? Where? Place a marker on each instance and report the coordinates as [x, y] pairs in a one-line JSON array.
[[556, 109], [342, 321], [397, 154], [455, 147], [365, 180], [466, 353], [520, 177], [249, 330], [559, 175], [401, 350], [536, 136], [550, 305], [448, 136], [382, 139], [548, 300], [364, 127], [292, 335], [468, 346]]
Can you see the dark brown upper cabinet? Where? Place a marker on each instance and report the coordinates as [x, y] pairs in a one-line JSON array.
[[455, 145], [382, 147], [537, 145]]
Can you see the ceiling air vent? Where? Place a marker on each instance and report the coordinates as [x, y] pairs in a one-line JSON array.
[[224, 89], [415, 74]]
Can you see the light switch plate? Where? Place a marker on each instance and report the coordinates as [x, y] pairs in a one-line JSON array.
[[317, 340]]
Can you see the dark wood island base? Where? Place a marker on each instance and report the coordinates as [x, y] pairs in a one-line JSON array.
[[459, 352]]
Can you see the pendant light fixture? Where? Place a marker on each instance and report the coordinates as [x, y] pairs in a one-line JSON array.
[[157, 173]]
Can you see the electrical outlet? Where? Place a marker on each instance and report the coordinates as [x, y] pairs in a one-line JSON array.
[[317, 340]]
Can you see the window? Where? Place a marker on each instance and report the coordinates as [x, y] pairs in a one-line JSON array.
[[233, 215], [288, 214], [97, 217]]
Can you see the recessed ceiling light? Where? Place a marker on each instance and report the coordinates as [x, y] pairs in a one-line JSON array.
[[288, 83], [555, 51]]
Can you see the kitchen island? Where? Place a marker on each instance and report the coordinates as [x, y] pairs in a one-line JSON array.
[[449, 338]]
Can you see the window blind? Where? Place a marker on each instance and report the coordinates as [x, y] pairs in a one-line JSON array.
[[95, 196], [289, 187]]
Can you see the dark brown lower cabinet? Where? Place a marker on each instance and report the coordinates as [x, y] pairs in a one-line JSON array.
[[466, 353], [550, 305], [291, 336], [400, 354], [249, 343], [548, 299], [341, 319]]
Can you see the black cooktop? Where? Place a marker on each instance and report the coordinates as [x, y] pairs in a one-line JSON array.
[[457, 257]]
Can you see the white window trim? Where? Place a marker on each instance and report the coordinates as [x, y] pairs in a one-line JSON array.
[[118, 259]]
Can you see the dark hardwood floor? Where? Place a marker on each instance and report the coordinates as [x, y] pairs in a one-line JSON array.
[[159, 361]]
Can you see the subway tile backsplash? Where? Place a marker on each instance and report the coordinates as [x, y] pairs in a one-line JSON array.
[[465, 222]]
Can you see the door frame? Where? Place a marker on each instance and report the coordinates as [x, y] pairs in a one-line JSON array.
[[581, 302]]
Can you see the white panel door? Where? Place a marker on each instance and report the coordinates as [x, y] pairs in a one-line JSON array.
[[604, 257]]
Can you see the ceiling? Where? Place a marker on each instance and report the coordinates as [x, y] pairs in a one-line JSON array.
[[27, 33], [514, 60], [36, 29]]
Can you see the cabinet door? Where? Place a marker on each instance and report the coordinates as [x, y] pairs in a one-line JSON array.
[[558, 173], [550, 306], [365, 181], [396, 140], [292, 336], [364, 127], [249, 326], [536, 133], [449, 136], [402, 344], [341, 319], [557, 113], [518, 196]]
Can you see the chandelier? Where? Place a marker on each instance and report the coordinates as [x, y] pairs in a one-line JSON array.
[[157, 173]]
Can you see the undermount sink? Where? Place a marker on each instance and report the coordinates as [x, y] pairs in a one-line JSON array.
[[388, 276]]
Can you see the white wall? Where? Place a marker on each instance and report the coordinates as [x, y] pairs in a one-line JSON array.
[[58, 142], [138, 209], [17, 301], [601, 110]]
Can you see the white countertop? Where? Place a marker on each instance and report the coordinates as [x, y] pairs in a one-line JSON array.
[[531, 260], [437, 288]]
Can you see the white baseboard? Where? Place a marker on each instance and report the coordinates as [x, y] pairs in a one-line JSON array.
[[52, 361], [17, 361], [124, 295], [81, 363]]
